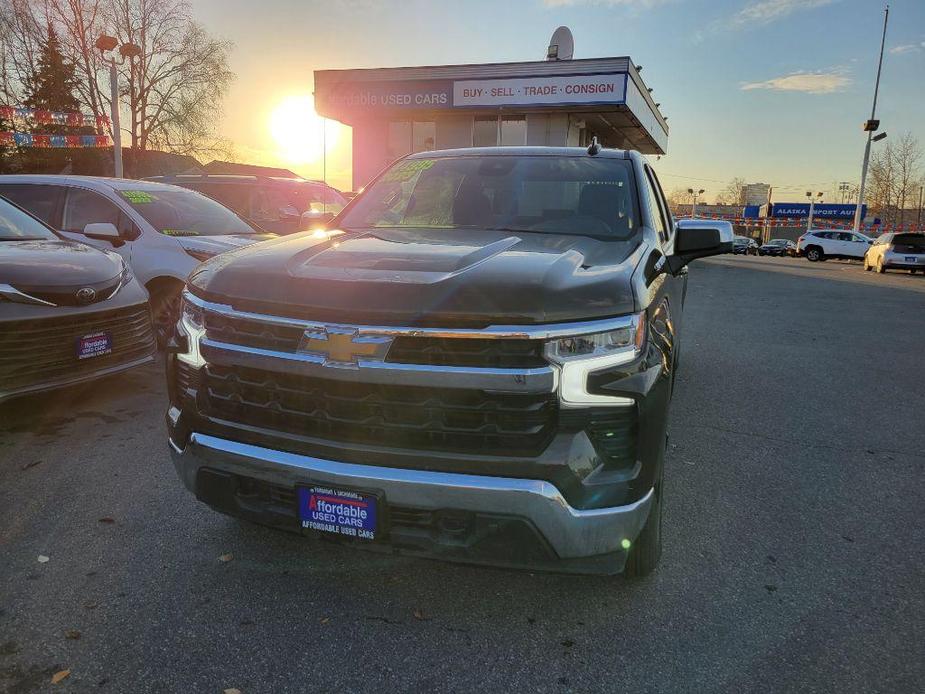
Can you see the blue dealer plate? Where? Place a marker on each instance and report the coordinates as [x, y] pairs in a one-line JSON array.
[[338, 511], [94, 345]]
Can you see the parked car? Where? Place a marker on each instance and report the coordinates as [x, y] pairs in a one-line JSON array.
[[899, 250], [778, 247], [68, 312], [744, 245], [483, 375], [161, 231], [279, 205], [821, 244]]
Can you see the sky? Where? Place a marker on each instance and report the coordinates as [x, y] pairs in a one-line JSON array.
[[771, 91]]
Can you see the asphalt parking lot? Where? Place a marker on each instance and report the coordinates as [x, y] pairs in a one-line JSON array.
[[794, 556]]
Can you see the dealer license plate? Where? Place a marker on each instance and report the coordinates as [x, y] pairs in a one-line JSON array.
[[338, 511], [94, 345], [911, 259]]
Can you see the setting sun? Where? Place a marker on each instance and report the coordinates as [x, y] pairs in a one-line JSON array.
[[301, 135]]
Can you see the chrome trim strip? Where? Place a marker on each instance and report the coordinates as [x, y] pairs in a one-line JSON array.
[[11, 293], [571, 532], [539, 380], [493, 332]]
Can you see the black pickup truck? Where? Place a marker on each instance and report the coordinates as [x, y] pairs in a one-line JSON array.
[[474, 363]]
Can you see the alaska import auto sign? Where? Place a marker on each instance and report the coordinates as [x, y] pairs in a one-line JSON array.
[[824, 210], [532, 91]]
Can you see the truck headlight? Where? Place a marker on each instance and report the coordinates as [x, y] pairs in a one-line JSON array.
[[191, 323], [580, 355]]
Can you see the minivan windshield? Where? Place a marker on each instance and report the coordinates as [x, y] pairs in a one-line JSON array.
[[181, 212], [16, 225], [546, 194]]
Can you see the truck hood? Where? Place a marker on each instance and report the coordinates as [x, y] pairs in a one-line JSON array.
[[213, 245], [54, 263], [446, 277]]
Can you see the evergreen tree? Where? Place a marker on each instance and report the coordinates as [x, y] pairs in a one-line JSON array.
[[51, 88]]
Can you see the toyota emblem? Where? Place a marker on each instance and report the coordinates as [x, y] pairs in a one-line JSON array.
[[85, 295]]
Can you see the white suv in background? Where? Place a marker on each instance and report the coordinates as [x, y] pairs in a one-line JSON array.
[[161, 231], [821, 244], [902, 251]]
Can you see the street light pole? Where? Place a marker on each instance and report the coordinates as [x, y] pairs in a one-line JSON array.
[[870, 132], [105, 44], [114, 115], [812, 203], [694, 194]]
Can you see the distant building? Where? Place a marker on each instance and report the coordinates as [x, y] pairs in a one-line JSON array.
[[755, 194]]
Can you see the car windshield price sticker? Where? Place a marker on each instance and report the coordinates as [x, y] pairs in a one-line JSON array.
[[338, 511], [407, 170], [138, 197]]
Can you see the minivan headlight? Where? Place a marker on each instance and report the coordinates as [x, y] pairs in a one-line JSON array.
[[580, 355]]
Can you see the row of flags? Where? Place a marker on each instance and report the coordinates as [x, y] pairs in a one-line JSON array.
[[818, 223], [42, 117], [43, 140]]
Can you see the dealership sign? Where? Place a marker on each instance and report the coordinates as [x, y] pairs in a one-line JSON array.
[[534, 91], [825, 210], [439, 94], [388, 95]]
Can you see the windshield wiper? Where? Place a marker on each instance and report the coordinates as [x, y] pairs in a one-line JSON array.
[[25, 238]]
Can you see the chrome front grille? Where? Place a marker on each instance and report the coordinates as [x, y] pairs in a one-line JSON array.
[[416, 349]]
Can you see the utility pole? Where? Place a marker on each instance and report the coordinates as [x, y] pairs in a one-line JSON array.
[[870, 126], [918, 214]]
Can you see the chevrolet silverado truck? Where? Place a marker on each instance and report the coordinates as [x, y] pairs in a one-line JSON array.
[[474, 362]]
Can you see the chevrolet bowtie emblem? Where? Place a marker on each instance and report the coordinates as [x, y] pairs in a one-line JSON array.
[[344, 347]]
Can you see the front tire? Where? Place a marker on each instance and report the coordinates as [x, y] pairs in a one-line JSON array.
[[647, 549], [165, 309], [813, 254]]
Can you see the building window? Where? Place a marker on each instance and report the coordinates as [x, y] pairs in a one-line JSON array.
[[513, 131], [399, 139], [406, 137], [485, 131], [423, 136]]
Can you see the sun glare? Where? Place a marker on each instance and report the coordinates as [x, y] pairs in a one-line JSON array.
[[302, 135]]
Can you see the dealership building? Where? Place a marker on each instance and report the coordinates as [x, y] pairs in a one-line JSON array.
[[396, 111]]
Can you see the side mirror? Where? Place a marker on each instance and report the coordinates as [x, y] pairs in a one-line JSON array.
[[103, 231], [699, 238], [314, 220]]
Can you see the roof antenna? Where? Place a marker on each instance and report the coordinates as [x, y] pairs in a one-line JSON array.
[[594, 147]]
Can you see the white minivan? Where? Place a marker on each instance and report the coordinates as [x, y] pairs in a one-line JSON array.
[[161, 231]]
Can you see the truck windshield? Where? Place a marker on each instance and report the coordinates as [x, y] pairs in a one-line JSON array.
[[181, 212], [557, 195]]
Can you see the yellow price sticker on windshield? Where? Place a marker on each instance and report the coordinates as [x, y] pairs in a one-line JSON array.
[[407, 170], [137, 197]]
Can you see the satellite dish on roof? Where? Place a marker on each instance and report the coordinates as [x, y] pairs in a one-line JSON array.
[[561, 45]]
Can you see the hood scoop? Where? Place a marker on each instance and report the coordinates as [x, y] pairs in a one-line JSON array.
[[396, 259]]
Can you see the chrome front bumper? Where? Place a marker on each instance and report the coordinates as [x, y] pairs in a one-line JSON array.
[[571, 533]]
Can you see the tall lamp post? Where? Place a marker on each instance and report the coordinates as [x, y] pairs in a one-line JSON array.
[[106, 44], [694, 193], [812, 204], [870, 126]]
